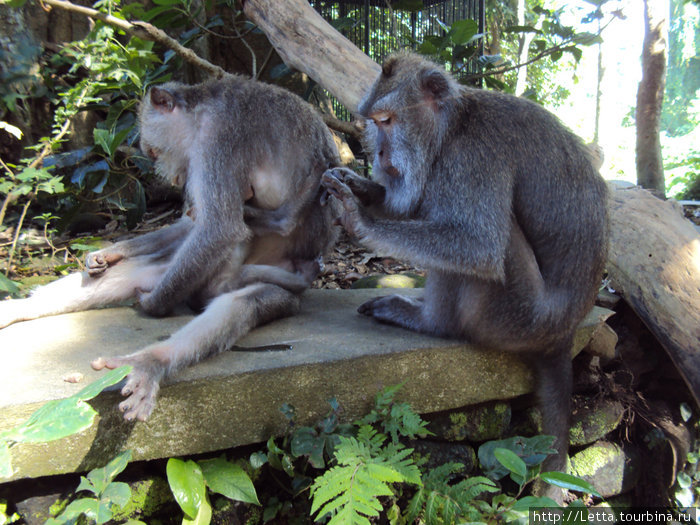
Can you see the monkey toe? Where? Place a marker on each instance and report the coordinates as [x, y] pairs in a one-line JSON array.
[[139, 405], [109, 363], [98, 364], [367, 308]]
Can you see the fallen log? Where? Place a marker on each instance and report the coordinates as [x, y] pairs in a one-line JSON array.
[[306, 42], [655, 253], [654, 262]]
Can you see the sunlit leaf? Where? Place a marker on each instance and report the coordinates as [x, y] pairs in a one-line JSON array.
[[567, 481], [187, 484]]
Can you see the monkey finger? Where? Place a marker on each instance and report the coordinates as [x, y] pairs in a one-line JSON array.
[[98, 364], [332, 183]]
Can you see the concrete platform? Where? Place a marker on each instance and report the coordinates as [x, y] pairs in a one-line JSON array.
[[234, 398]]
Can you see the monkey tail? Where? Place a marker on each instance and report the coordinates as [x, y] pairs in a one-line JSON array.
[[554, 388]]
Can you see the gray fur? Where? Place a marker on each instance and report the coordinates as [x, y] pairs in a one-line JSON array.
[[499, 201], [250, 158]]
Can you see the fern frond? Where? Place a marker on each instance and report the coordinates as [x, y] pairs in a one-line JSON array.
[[470, 488], [415, 506], [365, 471], [328, 487]]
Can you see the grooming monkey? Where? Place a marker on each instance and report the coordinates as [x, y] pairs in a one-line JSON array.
[[249, 157], [499, 201]]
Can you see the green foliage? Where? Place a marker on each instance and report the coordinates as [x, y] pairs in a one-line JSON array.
[[440, 501], [686, 490], [189, 481], [531, 451], [397, 419], [107, 493], [679, 115], [4, 518], [57, 419], [366, 466], [685, 179], [455, 47]]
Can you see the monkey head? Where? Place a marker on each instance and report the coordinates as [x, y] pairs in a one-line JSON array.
[[166, 126], [407, 113]]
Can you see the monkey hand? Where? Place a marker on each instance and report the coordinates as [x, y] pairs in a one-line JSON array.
[[142, 383], [367, 192], [350, 218], [97, 262], [151, 303]]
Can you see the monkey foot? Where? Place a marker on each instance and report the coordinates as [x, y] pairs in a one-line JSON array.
[[394, 309], [142, 383], [350, 217]]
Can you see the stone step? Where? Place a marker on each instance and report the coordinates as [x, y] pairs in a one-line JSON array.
[[234, 398]]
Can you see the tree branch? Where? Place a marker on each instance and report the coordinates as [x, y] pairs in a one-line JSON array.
[[144, 31]]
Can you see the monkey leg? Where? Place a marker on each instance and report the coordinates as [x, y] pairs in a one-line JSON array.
[[225, 320], [80, 291], [162, 242], [295, 282]]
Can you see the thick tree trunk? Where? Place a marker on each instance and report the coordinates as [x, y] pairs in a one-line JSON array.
[[306, 42], [650, 96], [654, 262]]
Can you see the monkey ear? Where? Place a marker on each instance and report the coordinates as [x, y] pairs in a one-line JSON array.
[[388, 66], [435, 85], [162, 99]]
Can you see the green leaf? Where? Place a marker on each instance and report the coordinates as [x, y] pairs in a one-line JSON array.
[[567, 481], [462, 31], [100, 478], [88, 507], [117, 493], [110, 378], [229, 479], [60, 418], [203, 514], [187, 485], [257, 459], [118, 138], [686, 411], [528, 502], [103, 138], [7, 285], [306, 442], [55, 420], [511, 461], [5, 460]]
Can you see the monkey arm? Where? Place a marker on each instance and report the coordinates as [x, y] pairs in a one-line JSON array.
[[200, 253], [448, 247], [162, 242], [473, 243]]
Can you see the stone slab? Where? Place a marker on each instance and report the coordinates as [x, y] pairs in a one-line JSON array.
[[234, 398]]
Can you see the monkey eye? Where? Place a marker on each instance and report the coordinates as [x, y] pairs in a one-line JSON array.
[[382, 118]]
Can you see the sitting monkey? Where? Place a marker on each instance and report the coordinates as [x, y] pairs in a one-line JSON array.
[[249, 157], [499, 202]]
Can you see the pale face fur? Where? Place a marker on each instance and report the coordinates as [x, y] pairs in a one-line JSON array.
[[166, 139]]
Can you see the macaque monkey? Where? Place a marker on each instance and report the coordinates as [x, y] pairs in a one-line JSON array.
[[499, 202], [249, 157]]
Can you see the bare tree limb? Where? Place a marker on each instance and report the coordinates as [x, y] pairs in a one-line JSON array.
[[144, 31], [349, 128]]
